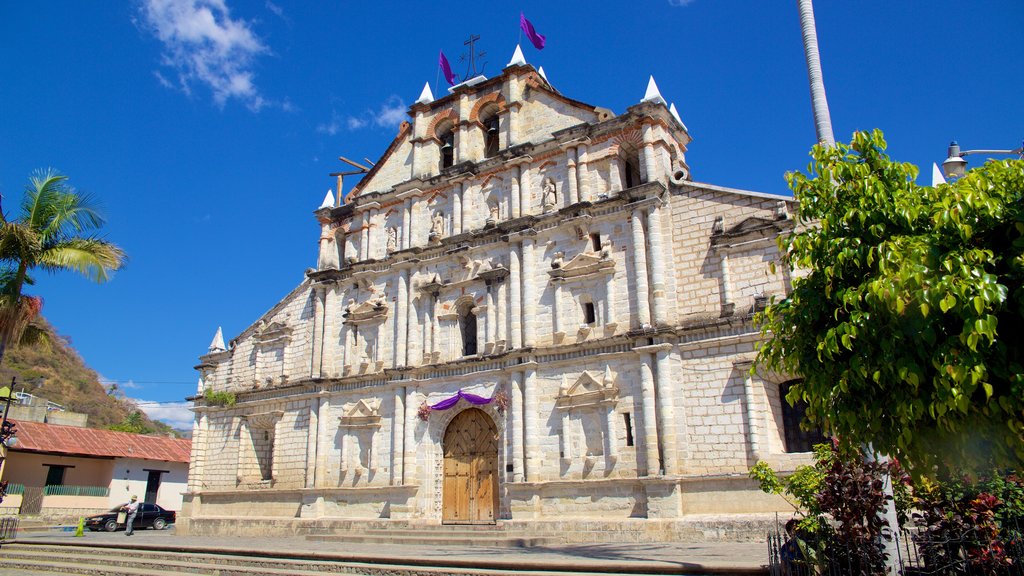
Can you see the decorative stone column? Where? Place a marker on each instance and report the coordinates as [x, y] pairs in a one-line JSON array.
[[609, 301], [531, 424], [556, 312], [490, 322], [573, 185], [657, 265], [649, 161], [464, 224], [516, 201], [529, 311], [401, 311], [323, 405], [311, 441], [398, 438], [406, 224], [753, 422], [457, 209], [650, 415], [583, 174], [413, 332], [524, 190], [364, 235], [666, 413], [515, 297], [643, 309], [615, 176], [517, 426], [611, 447], [317, 345], [727, 302], [409, 475]]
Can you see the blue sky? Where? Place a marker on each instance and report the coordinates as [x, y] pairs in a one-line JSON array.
[[207, 128]]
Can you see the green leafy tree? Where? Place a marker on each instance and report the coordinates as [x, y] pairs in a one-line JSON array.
[[905, 319], [52, 231]]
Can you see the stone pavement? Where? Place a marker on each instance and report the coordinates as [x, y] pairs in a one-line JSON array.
[[653, 558]]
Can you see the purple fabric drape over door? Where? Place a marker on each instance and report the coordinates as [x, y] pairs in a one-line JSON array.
[[471, 398]]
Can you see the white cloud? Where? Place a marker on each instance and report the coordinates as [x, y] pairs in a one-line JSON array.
[[390, 114], [275, 9], [175, 414], [330, 127], [681, 2], [205, 45]]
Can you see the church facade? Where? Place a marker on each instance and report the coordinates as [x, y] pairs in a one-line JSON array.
[[525, 312]]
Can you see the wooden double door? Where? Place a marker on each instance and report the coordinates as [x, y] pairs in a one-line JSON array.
[[470, 491]]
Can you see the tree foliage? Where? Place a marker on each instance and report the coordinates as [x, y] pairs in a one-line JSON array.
[[52, 230], [905, 316]]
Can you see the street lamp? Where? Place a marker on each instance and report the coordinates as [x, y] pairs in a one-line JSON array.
[[955, 165]]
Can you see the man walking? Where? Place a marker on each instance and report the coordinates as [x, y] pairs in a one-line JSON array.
[[131, 508]]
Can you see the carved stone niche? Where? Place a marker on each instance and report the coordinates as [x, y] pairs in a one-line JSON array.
[[359, 423], [584, 265], [263, 421], [366, 312], [592, 397]]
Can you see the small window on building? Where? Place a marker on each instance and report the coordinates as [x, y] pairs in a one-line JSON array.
[[797, 439], [589, 313], [467, 325], [491, 136], [595, 242], [447, 138], [628, 420]]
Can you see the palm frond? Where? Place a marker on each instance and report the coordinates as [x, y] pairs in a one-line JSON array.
[[94, 258]]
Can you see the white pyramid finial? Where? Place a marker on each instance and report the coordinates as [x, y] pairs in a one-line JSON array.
[[543, 75], [937, 175], [426, 97], [328, 199], [517, 58], [202, 385], [218, 341], [653, 94], [675, 114]]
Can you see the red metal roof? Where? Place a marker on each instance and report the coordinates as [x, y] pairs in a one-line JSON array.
[[56, 439]]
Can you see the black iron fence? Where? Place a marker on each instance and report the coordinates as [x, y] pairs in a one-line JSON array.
[[8, 528], [920, 552]]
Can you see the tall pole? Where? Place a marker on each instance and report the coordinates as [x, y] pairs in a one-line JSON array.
[[819, 104]]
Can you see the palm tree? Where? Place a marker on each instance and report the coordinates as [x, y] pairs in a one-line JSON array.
[[52, 232]]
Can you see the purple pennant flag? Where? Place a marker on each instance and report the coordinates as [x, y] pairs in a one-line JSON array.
[[447, 69], [537, 40]]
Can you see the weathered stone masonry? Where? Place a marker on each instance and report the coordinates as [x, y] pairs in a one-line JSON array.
[[576, 271]]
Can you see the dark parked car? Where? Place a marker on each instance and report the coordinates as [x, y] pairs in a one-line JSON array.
[[149, 516]]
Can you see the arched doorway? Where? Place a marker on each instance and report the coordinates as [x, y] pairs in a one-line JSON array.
[[470, 485]]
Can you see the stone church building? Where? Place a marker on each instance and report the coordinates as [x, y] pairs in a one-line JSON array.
[[526, 312]]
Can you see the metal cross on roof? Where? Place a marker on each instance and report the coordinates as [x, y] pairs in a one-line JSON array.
[[471, 56]]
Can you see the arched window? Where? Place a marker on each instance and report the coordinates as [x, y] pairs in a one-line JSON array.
[[630, 172], [467, 326], [446, 136], [491, 140]]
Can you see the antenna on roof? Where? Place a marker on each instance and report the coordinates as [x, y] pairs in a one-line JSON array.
[[341, 176]]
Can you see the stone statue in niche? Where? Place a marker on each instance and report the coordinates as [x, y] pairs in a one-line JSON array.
[[437, 227], [392, 239], [558, 260], [550, 197]]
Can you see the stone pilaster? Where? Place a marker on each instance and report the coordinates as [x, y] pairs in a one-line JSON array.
[[640, 295], [401, 311], [531, 424], [319, 317], [657, 261], [650, 414], [666, 413], [322, 441], [407, 224], [753, 422], [517, 431], [398, 438], [311, 442], [529, 312], [457, 208], [525, 190], [583, 173], [409, 475], [515, 297], [573, 196], [516, 200]]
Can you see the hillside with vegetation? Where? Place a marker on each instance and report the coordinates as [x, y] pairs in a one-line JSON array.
[[52, 369]]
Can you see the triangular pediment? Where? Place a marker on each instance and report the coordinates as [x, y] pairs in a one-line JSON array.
[[584, 264], [367, 310], [272, 332], [363, 412], [589, 388]]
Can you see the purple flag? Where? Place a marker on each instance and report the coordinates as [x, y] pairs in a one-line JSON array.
[[447, 69], [537, 40]]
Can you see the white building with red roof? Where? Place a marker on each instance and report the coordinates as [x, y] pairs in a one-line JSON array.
[[58, 470]]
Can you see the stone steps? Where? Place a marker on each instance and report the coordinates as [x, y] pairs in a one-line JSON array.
[[113, 560], [427, 538]]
